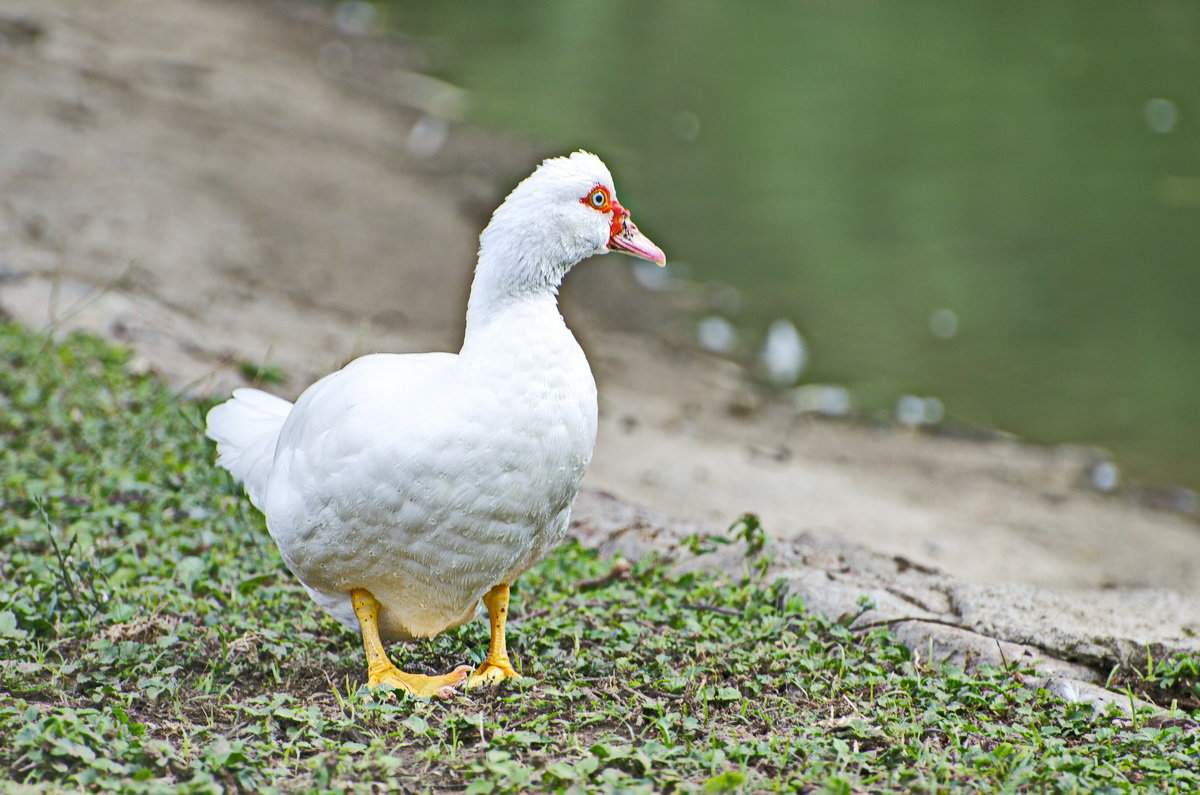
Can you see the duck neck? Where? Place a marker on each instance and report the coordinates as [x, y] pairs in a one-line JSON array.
[[524, 253], [507, 282]]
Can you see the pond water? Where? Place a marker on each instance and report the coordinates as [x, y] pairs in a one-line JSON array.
[[994, 204]]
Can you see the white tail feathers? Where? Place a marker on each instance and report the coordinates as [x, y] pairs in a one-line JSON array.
[[246, 428]]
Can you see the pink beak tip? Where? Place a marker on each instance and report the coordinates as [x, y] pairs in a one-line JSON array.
[[632, 242]]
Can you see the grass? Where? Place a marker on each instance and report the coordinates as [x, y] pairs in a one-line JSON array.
[[151, 640]]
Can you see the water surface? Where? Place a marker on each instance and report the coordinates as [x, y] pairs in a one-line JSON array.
[[856, 167]]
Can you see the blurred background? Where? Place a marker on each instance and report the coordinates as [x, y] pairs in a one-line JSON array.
[[986, 211], [938, 216]]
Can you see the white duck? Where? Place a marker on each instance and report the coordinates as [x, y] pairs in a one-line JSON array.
[[402, 489]]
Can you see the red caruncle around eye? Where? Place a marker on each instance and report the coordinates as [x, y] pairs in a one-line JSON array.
[[598, 199]]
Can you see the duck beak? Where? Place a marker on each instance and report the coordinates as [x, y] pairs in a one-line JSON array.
[[626, 237]]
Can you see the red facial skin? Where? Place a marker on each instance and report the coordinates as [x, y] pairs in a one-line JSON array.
[[622, 234], [610, 205]]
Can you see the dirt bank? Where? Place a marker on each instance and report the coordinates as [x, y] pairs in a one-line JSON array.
[[216, 183]]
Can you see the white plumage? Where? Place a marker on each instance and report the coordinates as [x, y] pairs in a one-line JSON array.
[[246, 430], [428, 480]]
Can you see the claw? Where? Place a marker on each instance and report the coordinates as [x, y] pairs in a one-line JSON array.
[[491, 672]]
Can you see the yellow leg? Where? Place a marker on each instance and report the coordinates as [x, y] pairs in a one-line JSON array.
[[381, 671], [497, 666]]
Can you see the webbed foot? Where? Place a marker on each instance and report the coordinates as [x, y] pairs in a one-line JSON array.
[[491, 672], [420, 685]]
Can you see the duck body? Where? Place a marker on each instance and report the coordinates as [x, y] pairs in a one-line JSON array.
[[428, 479], [404, 488]]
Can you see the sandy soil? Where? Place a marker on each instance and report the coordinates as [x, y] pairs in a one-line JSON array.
[[214, 182]]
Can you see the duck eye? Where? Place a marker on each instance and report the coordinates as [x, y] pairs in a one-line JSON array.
[[598, 199]]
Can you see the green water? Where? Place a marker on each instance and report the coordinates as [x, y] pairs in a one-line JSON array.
[[854, 166]]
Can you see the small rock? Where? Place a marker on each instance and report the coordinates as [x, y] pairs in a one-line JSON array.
[[744, 402], [1104, 476], [784, 353], [828, 400], [716, 334], [1062, 688]]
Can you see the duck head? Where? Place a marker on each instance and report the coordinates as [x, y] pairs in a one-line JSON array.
[[564, 212]]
